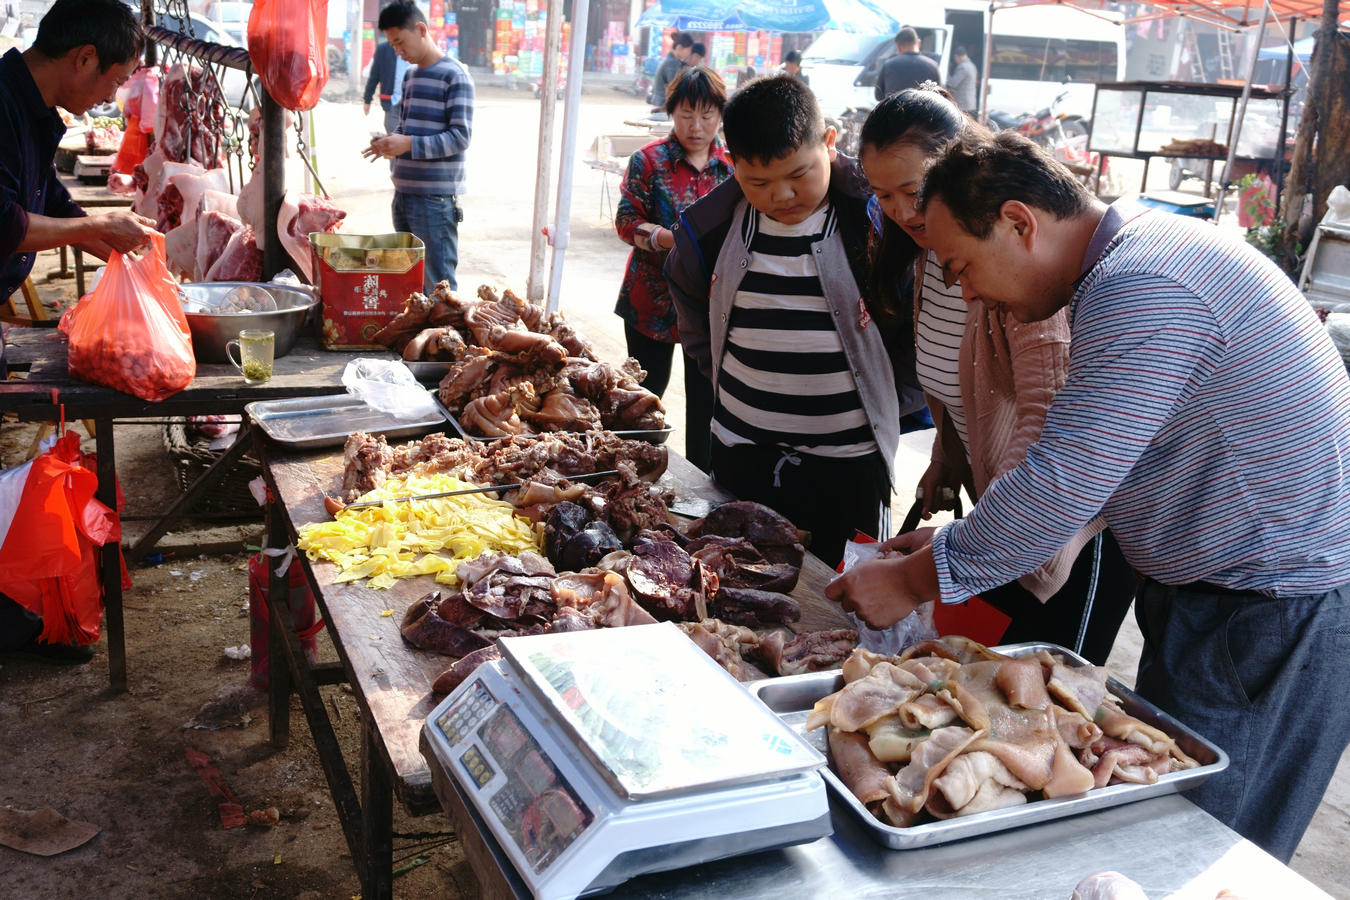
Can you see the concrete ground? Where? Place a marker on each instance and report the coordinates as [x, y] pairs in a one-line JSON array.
[[494, 247]]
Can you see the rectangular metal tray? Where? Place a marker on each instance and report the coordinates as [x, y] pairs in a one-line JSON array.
[[792, 698], [654, 436], [307, 422], [432, 372]]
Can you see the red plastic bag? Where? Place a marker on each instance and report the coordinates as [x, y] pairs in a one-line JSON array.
[[303, 614], [50, 555], [130, 333], [134, 148], [288, 43]]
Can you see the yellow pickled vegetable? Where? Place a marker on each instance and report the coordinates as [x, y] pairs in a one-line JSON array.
[[416, 537]]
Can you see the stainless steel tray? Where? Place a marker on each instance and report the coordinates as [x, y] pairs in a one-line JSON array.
[[432, 373], [792, 698], [328, 421], [654, 436]]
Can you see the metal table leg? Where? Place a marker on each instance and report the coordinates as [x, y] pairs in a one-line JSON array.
[[205, 481], [112, 557]]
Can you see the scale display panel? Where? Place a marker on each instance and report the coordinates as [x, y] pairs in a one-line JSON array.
[[540, 810], [655, 711], [542, 813]]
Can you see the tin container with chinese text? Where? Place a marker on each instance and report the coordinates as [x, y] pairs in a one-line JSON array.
[[363, 281]]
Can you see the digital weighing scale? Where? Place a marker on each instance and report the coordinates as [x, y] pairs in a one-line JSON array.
[[597, 756]]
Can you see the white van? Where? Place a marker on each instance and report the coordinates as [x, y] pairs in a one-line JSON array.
[[1035, 50], [1041, 52], [843, 67]]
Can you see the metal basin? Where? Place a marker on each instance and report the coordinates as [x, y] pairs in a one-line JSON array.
[[211, 332]]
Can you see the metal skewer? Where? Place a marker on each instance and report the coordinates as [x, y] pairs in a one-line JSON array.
[[477, 490]]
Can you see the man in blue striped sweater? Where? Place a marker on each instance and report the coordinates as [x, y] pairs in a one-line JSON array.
[[1206, 417], [428, 147]]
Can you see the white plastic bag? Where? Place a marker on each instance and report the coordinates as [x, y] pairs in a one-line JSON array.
[[389, 386], [1338, 207], [917, 626]]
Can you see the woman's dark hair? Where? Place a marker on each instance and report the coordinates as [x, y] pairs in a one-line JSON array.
[[401, 14], [682, 39], [697, 86], [980, 172], [924, 118], [770, 118], [109, 25]]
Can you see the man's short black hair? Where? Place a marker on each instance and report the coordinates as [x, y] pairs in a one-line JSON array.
[[793, 56], [698, 50], [770, 118], [401, 14], [109, 25], [906, 36], [700, 87], [958, 50], [682, 39], [978, 172]]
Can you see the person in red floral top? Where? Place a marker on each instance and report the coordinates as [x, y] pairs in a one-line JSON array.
[[664, 178]]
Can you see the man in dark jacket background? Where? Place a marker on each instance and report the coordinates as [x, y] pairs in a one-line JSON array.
[[908, 68], [682, 47], [386, 71]]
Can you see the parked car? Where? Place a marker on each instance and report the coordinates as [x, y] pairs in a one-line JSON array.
[[235, 84], [231, 17]]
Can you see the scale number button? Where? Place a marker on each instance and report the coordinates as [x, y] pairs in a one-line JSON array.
[[479, 772]]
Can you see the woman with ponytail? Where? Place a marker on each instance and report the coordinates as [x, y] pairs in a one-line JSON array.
[[989, 382]]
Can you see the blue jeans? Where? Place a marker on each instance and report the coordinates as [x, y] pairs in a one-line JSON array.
[[1264, 679], [432, 218]]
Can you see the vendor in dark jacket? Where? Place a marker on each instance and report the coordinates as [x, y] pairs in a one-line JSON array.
[[810, 376], [386, 74], [84, 50]]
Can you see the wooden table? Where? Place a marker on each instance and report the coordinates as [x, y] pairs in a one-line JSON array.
[[391, 680], [217, 390]]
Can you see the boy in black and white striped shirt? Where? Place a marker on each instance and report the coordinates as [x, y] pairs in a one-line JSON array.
[[810, 379]]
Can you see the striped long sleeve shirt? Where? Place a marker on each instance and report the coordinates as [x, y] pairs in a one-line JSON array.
[[1206, 416], [437, 113]]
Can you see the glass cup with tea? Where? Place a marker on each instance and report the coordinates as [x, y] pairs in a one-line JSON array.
[[255, 355]]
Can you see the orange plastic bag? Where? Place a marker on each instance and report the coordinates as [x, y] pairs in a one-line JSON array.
[[53, 528], [130, 333], [288, 43]]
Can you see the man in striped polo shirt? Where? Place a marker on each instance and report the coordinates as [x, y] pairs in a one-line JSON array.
[[428, 147], [810, 379], [1206, 417]]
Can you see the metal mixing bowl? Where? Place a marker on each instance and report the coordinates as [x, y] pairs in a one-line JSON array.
[[211, 332]]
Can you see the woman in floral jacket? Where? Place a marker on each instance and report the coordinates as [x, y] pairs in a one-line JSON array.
[[663, 179]]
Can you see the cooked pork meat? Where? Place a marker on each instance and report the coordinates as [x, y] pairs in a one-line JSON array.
[[811, 651], [458, 673], [747, 606], [727, 645], [777, 539], [662, 578]]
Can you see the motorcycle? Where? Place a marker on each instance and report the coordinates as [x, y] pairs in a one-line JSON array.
[[848, 129], [1049, 127]]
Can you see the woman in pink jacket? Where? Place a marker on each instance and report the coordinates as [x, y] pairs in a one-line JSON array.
[[989, 382]]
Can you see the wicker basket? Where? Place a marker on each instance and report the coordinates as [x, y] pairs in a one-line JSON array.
[[193, 456]]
